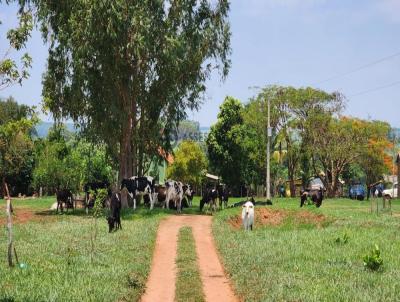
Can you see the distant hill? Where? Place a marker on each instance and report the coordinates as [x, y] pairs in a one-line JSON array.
[[42, 128]]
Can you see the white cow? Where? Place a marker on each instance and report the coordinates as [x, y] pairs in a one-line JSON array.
[[174, 193], [248, 215]]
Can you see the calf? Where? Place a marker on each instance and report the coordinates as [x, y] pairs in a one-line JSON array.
[[248, 216], [114, 220], [64, 196], [209, 197], [160, 193], [140, 185]]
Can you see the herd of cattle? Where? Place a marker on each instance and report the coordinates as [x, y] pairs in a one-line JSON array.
[[174, 194]]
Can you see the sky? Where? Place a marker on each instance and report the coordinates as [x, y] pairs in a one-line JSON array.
[[318, 43]]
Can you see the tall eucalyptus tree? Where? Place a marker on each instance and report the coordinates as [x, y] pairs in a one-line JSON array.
[[127, 70]]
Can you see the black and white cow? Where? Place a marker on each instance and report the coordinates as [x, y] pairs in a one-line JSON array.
[[114, 219], [139, 185], [174, 194], [210, 196]]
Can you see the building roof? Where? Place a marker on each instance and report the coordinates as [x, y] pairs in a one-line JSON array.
[[166, 155], [214, 177]]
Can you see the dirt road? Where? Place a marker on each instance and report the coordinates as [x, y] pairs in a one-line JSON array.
[[161, 283]]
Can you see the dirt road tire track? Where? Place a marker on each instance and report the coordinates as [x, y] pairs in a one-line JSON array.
[[161, 282]]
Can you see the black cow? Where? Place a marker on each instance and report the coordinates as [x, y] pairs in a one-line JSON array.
[[316, 196], [223, 195], [64, 196], [143, 185], [114, 220], [209, 197]]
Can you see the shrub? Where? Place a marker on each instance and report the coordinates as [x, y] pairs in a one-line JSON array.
[[342, 240], [374, 260]]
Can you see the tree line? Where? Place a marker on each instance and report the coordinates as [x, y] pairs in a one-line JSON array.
[[62, 160], [311, 137]]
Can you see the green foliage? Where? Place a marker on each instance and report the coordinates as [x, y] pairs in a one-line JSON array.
[[65, 161], [373, 159], [10, 110], [226, 154], [343, 240], [189, 163], [98, 209], [189, 130], [10, 72], [158, 54], [15, 146], [373, 261]]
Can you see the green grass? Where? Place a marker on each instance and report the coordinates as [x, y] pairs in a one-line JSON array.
[[188, 284], [292, 262], [56, 249]]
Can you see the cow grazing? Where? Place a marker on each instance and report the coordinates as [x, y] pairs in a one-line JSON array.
[[316, 196], [114, 219], [174, 194], [223, 196], [140, 185], [64, 196], [210, 196], [248, 216]]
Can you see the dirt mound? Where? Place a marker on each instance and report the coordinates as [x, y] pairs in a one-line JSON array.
[[309, 218], [23, 216], [275, 217], [264, 216]]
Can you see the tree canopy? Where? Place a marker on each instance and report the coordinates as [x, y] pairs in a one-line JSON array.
[[189, 163], [126, 71], [12, 71]]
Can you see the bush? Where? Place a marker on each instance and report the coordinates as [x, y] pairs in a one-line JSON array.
[[374, 260], [342, 240]]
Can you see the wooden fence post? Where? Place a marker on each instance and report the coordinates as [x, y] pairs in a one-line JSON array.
[[9, 211]]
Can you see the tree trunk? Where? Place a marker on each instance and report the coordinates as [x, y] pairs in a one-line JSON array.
[[291, 182], [124, 198], [124, 153]]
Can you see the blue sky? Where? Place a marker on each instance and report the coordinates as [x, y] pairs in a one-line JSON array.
[[288, 42]]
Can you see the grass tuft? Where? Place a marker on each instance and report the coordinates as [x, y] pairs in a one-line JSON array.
[[188, 283]]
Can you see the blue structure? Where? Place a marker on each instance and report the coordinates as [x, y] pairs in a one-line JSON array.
[[357, 192]]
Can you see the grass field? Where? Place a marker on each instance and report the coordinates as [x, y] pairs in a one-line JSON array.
[[300, 260], [296, 258], [56, 250]]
